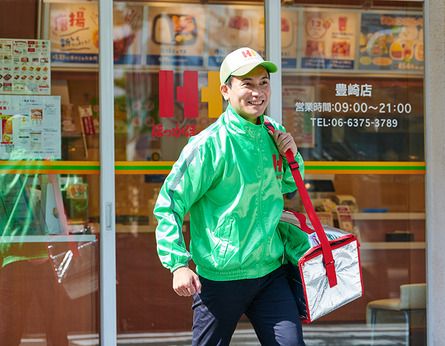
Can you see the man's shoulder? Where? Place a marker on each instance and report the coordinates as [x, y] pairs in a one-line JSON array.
[[208, 135], [204, 143]]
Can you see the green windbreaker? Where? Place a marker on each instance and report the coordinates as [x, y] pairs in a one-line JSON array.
[[231, 178]]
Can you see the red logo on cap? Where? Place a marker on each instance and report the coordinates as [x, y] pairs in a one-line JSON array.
[[248, 52]]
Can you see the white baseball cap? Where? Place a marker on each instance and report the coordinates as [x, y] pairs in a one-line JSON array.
[[242, 61]]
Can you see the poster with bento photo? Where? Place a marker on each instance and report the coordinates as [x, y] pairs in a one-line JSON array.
[[289, 34], [392, 41], [234, 26], [175, 35]]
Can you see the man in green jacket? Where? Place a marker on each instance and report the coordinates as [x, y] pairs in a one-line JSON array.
[[231, 177]]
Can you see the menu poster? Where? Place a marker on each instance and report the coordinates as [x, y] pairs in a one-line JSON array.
[[391, 41], [296, 120], [175, 36], [74, 33], [329, 39], [127, 33], [288, 38], [30, 127], [24, 67], [234, 26]]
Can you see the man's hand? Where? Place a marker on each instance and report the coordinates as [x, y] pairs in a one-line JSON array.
[[284, 142], [185, 282]]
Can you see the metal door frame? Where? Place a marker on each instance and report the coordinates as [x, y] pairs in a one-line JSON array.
[[108, 311]]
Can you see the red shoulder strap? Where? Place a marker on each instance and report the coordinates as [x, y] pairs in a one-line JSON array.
[[328, 259]]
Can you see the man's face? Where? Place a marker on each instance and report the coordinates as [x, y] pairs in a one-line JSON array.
[[249, 95]]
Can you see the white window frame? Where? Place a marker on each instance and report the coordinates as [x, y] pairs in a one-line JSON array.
[[108, 311]]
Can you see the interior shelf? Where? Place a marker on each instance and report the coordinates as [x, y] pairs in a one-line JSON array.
[[49, 238], [388, 216], [413, 245]]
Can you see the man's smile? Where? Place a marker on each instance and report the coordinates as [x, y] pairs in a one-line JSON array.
[[256, 103]]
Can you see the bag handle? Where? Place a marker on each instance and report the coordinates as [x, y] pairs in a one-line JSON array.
[[302, 220], [328, 258], [52, 179]]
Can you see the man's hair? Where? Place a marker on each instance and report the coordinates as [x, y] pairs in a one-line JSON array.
[[229, 81]]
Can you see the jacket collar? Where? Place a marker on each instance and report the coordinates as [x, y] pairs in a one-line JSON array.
[[238, 124]]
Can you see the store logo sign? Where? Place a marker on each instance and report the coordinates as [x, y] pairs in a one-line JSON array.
[[188, 94]]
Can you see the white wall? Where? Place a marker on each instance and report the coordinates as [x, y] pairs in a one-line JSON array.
[[435, 167]]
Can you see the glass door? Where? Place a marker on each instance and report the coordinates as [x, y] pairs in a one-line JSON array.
[[53, 212], [166, 89]]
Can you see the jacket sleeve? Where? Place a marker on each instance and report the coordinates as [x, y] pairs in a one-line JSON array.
[[190, 178]]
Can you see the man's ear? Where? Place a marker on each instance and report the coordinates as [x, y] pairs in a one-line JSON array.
[[224, 88]]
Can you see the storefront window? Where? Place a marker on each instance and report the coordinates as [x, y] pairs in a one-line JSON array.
[[167, 62], [352, 97], [355, 104], [49, 186]]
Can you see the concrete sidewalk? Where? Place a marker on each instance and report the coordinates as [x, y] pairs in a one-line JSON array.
[[314, 335]]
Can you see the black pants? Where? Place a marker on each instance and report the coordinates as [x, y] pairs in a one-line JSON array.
[[20, 283], [267, 302]]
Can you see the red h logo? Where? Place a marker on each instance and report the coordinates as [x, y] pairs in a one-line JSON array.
[[188, 94], [277, 164], [246, 53]]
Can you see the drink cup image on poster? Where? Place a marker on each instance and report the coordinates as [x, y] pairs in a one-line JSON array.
[[328, 39], [30, 127]]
